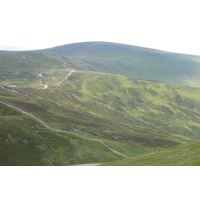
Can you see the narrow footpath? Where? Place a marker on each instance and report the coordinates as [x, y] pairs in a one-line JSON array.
[[22, 111]]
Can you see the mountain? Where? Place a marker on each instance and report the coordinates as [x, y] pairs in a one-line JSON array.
[[135, 62], [131, 61], [60, 106]]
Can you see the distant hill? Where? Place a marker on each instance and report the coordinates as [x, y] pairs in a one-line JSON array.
[[136, 62], [131, 61]]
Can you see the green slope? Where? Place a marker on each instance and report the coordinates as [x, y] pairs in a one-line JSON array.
[[25, 141], [87, 96], [133, 117], [180, 155]]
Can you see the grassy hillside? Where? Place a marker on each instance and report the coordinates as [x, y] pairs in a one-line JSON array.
[[133, 117], [80, 103], [180, 155], [25, 141]]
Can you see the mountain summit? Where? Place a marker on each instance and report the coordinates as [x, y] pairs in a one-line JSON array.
[[136, 62]]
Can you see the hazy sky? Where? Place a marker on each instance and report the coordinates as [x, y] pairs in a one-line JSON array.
[[171, 25]]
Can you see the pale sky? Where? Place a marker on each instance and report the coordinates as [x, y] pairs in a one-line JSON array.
[[170, 25]]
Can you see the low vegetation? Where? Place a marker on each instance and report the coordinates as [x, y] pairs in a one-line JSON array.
[[180, 155], [88, 113]]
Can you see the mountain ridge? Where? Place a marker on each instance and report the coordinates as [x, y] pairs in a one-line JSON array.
[[128, 60]]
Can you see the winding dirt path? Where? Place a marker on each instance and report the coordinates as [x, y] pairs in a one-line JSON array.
[[87, 164], [81, 72], [66, 78], [22, 111], [45, 87]]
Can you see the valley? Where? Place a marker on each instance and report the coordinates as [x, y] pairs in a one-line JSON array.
[[102, 103]]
